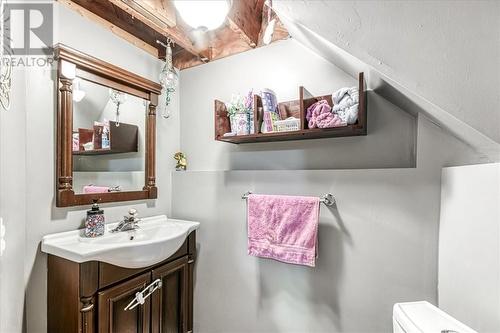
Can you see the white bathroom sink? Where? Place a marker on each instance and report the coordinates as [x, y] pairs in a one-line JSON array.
[[156, 239]]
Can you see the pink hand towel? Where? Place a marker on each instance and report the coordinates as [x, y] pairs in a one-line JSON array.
[[95, 189], [283, 228]]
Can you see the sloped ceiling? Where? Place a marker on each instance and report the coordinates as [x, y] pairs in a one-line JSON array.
[[438, 57]]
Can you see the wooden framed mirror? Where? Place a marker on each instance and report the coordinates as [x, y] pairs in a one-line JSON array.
[[106, 131]]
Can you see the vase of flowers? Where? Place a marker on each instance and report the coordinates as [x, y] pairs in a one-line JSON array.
[[240, 113]]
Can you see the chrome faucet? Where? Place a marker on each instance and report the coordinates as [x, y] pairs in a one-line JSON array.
[[129, 222]]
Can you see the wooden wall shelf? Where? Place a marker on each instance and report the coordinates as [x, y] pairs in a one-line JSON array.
[[122, 139], [298, 109], [97, 152]]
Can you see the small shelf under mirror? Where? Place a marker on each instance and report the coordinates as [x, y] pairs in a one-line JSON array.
[[122, 139]]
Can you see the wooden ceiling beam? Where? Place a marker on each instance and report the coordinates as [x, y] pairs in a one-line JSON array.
[[225, 41], [280, 32], [228, 42], [245, 18], [142, 10], [155, 10], [131, 38], [106, 10], [143, 22], [158, 14], [183, 59]]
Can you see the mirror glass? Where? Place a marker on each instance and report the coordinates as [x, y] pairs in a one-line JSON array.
[[108, 139]]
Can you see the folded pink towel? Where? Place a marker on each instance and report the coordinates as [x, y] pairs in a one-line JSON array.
[[95, 189], [319, 115], [283, 228]]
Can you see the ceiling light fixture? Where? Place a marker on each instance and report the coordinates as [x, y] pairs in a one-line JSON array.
[[205, 14]]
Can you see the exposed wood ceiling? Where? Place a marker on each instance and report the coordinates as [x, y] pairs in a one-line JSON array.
[[143, 22]]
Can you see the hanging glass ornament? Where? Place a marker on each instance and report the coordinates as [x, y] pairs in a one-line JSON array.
[[118, 98], [168, 77]]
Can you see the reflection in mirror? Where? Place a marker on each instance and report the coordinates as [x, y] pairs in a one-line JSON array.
[[108, 139]]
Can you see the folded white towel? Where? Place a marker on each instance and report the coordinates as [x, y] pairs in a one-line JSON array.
[[345, 104], [349, 115], [340, 95]]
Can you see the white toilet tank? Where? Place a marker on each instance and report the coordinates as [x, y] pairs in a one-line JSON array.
[[423, 317]]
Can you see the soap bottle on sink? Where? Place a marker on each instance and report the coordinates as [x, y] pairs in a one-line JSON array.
[[94, 224]]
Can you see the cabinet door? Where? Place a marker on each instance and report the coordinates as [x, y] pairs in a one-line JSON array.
[[113, 318], [170, 305]]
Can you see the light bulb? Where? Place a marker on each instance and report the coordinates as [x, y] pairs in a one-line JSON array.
[[209, 14]]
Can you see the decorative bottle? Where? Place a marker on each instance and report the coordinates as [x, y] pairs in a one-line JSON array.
[[94, 224]]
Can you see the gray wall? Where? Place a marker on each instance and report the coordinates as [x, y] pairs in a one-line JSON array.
[[13, 206], [283, 67], [42, 217], [423, 46], [378, 246], [469, 245], [387, 83]]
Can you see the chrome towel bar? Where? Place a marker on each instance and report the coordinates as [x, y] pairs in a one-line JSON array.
[[327, 199]]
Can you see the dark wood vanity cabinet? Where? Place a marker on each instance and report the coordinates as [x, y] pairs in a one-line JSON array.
[[170, 304], [91, 297], [112, 301]]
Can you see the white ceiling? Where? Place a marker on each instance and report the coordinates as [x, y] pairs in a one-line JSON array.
[[438, 57]]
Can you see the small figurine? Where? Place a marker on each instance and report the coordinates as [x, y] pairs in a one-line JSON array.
[[181, 161]]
